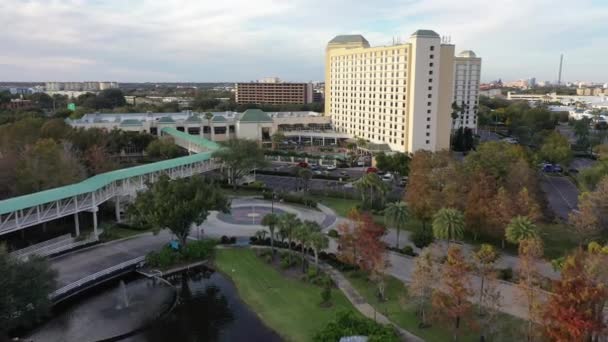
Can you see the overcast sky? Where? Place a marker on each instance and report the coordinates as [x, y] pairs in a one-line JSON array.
[[242, 40]]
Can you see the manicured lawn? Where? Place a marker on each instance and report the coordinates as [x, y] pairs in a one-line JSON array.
[[399, 309], [559, 239], [340, 205], [289, 306]]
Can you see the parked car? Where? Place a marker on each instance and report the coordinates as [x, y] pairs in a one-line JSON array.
[[303, 164], [381, 173], [552, 168], [343, 173], [403, 181], [318, 172], [371, 170], [331, 167], [387, 177]]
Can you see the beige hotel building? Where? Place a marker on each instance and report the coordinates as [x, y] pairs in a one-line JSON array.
[[399, 95]]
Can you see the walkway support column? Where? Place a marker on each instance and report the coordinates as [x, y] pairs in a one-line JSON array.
[[117, 208], [95, 222], [76, 224]]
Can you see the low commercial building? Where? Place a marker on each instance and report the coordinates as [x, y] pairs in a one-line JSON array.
[[274, 93], [220, 126]]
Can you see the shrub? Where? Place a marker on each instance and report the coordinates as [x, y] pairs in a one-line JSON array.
[[298, 199], [224, 240], [285, 263], [422, 238], [232, 240], [347, 323], [408, 250], [268, 258], [333, 233], [194, 251], [325, 296], [505, 274]]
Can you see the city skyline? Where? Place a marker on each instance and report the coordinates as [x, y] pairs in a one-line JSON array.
[[149, 41]]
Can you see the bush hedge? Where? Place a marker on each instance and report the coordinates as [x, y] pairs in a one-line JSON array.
[[193, 251], [422, 237]]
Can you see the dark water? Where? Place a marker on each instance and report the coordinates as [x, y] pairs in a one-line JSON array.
[[209, 310]]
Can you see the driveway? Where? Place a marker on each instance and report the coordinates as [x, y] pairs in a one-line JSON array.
[[561, 193]]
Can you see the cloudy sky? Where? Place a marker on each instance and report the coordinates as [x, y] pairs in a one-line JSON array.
[[241, 40]]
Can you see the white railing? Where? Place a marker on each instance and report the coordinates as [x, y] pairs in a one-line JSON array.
[[58, 248], [92, 277], [54, 241]]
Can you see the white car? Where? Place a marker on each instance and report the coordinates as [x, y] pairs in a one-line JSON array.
[[331, 168], [388, 177]]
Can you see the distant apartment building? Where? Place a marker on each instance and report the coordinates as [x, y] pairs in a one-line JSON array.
[[273, 91], [399, 96], [591, 91], [467, 73], [79, 86]]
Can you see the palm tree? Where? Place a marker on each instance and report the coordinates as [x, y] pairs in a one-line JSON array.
[[302, 234], [448, 224], [317, 242], [209, 116], [370, 185], [396, 215], [305, 174], [521, 228], [287, 225], [270, 221]]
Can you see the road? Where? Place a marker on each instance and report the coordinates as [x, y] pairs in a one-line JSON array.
[[561, 194]]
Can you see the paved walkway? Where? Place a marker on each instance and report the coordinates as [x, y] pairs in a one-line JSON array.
[[79, 264], [362, 305]]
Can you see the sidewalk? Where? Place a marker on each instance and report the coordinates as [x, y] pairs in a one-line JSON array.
[[359, 302]]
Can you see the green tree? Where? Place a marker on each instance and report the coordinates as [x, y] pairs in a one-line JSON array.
[[288, 222], [277, 139], [177, 204], [318, 241], [305, 175], [209, 117], [556, 149], [396, 162], [47, 165], [25, 287], [271, 221], [397, 215], [302, 234], [448, 224], [239, 157], [371, 187], [521, 228], [163, 148]]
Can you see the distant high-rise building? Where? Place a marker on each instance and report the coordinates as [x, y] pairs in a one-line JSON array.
[[274, 93], [79, 86], [398, 95], [467, 73]]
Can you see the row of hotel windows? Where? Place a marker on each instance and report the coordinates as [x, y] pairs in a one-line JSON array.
[[388, 52]]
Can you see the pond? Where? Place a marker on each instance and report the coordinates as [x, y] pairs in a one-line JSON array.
[[207, 309]]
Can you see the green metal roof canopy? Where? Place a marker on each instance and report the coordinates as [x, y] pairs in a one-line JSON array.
[[100, 180]]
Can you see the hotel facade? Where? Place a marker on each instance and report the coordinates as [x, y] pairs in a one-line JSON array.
[[399, 95]]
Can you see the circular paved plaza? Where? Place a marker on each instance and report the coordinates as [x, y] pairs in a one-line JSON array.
[[248, 214]]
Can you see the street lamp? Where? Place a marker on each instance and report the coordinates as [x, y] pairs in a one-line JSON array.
[[272, 202]]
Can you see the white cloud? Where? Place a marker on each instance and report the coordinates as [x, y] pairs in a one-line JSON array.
[[206, 40]]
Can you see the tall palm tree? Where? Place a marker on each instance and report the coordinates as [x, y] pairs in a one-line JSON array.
[[318, 241], [521, 228], [448, 224], [302, 234], [396, 215], [287, 225], [369, 186], [271, 221], [209, 116]]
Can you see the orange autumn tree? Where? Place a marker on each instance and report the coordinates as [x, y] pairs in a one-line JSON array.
[[347, 242], [570, 314], [372, 250], [451, 303]]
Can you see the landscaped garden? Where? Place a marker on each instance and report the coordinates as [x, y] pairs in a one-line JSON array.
[[288, 305]]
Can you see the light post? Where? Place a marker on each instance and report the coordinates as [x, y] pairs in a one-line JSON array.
[[272, 202]]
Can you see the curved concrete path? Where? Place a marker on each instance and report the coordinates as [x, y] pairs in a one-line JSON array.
[[79, 264]]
